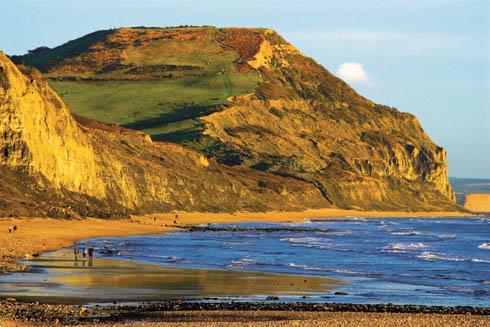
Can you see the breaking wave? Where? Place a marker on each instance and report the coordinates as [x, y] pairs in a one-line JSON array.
[[432, 256], [485, 246], [403, 247]]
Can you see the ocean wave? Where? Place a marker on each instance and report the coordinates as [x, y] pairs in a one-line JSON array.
[[405, 233], [446, 236], [297, 223], [459, 289], [166, 258], [402, 247], [485, 246], [432, 256], [480, 260], [347, 272], [315, 242], [336, 232], [338, 270], [301, 239], [306, 267], [240, 263]]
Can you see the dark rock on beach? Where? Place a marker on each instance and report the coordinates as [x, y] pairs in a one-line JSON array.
[[254, 229], [74, 314]]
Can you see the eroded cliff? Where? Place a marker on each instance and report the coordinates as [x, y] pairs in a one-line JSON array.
[[304, 122], [53, 164]]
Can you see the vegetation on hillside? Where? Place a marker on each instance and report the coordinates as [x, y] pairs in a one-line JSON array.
[[153, 80]]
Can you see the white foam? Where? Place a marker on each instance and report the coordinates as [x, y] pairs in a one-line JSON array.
[[305, 267], [402, 247], [298, 223], [309, 242], [240, 263], [446, 236], [480, 260], [301, 239], [337, 232], [432, 256], [485, 246], [340, 270]]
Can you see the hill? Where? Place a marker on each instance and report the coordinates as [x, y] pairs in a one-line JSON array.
[[248, 98], [54, 164]]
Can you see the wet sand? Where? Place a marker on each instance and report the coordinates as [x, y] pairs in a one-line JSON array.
[[57, 278], [36, 235]]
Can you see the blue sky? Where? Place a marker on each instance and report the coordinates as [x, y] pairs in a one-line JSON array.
[[427, 57]]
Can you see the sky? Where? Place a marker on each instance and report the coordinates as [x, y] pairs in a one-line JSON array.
[[427, 57]]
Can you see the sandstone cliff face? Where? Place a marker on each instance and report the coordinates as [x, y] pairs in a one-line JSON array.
[[477, 202], [39, 135], [304, 122], [52, 163]]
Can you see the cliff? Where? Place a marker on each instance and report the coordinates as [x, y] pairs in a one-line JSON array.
[[249, 100], [53, 164], [477, 202]]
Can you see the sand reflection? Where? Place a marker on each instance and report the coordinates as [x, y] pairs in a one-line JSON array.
[[57, 275]]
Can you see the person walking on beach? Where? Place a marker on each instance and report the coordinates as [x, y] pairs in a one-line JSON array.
[[84, 252], [76, 251], [90, 256]]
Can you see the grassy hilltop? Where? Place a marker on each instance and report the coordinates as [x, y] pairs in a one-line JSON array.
[[156, 80]]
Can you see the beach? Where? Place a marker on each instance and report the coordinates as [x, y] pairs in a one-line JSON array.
[[37, 235]]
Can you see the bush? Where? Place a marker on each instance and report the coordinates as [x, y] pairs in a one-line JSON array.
[[31, 72]]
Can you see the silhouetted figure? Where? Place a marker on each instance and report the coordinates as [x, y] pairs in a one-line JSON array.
[[90, 256], [76, 251], [84, 253], [15, 228], [10, 229]]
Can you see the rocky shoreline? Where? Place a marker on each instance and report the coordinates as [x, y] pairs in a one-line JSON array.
[[77, 314], [233, 228]]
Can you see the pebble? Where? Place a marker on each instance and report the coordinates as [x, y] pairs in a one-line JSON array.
[[73, 314]]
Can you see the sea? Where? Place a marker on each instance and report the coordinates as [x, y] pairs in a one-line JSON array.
[[425, 261]]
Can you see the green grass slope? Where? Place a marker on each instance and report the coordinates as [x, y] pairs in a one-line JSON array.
[[153, 80]]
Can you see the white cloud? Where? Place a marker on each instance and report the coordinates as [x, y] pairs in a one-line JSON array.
[[353, 73]]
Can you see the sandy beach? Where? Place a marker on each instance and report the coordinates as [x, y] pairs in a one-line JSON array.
[[37, 235]]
